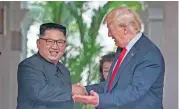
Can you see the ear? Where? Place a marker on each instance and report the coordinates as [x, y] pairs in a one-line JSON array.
[[125, 30], [38, 43]]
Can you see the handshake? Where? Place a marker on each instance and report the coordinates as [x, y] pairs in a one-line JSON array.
[[80, 94], [78, 89]]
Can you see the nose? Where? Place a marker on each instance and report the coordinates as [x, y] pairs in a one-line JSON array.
[[55, 46], [109, 34]]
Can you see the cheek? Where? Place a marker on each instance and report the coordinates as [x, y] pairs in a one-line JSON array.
[[115, 34], [62, 50], [44, 49]]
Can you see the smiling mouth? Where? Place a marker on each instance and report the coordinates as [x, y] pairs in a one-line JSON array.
[[54, 53], [113, 38]]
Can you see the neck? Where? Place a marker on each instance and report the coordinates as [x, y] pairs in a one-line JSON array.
[[54, 62]]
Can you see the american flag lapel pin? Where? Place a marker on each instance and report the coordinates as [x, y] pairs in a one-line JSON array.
[[132, 54]]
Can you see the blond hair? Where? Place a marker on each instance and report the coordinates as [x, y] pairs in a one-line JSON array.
[[124, 16]]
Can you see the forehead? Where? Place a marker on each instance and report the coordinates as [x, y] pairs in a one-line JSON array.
[[111, 25], [54, 34], [107, 63]]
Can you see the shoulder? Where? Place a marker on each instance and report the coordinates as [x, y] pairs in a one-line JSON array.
[[148, 50], [146, 45], [31, 67], [32, 62]]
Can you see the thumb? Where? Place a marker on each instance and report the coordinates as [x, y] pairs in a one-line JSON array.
[[93, 93], [79, 84]]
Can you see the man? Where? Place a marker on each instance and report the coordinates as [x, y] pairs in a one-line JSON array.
[[44, 82], [136, 76]]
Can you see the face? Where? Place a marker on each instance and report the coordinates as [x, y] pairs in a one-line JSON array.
[[119, 34], [52, 52], [105, 68]]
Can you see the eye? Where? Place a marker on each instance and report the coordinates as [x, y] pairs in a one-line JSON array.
[[59, 42], [49, 40]]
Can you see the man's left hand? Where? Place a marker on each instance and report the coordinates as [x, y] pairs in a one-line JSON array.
[[92, 99]]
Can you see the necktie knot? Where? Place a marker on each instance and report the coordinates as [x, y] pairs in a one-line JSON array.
[[124, 49]]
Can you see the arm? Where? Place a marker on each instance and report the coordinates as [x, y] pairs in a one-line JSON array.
[[145, 75], [99, 88], [33, 85]]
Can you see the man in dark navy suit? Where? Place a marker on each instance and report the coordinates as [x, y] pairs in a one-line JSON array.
[[136, 76]]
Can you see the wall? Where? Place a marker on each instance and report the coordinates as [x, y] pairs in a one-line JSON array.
[[10, 47], [161, 26], [171, 55]]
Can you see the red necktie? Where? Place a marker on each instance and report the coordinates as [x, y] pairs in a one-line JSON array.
[[121, 56]]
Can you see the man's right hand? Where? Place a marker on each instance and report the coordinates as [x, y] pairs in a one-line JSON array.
[[79, 89]]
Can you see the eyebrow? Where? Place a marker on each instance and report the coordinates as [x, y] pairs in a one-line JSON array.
[[52, 39]]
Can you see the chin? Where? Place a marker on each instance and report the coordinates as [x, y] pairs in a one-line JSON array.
[[117, 45], [54, 59]]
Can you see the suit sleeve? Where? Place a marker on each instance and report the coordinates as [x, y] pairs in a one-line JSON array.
[[99, 88], [33, 86], [145, 75]]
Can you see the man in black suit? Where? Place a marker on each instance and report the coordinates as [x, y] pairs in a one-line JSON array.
[[44, 82]]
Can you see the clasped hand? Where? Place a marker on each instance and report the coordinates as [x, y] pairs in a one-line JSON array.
[[79, 89], [80, 94]]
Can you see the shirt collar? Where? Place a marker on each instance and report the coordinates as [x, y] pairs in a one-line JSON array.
[[133, 41]]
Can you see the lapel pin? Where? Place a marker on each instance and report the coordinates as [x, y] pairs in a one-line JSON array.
[[132, 54]]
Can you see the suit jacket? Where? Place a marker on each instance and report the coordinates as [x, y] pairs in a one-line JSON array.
[[138, 83], [43, 85]]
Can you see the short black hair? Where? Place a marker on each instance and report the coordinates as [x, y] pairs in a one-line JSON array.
[[108, 57], [49, 26]]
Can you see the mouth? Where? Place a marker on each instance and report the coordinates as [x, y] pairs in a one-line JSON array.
[[114, 40], [54, 53]]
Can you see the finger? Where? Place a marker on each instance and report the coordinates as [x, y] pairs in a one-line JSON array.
[[82, 97], [81, 100], [84, 100], [78, 96]]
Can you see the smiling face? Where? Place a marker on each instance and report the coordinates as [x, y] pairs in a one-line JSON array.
[[52, 52], [117, 33], [123, 24]]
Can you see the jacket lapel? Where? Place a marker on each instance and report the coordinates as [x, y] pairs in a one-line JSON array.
[[131, 54]]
